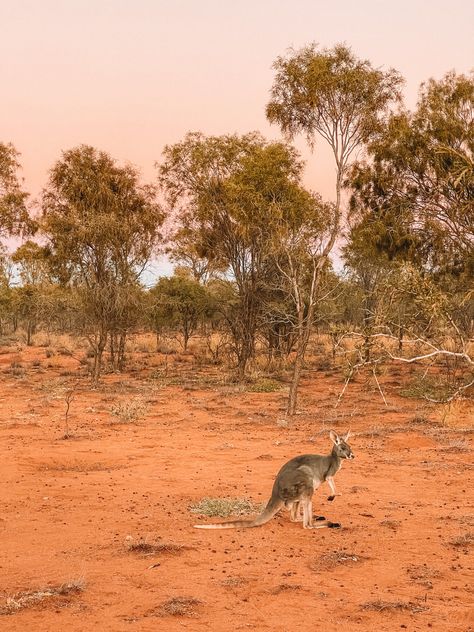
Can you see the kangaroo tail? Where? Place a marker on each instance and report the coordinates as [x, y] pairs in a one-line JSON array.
[[273, 506]]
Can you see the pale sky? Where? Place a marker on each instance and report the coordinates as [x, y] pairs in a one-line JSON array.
[[131, 76]]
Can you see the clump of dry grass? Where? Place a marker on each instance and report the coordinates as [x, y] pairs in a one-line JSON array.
[[331, 559], [390, 524], [420, 420], [285, 588], [31, 598], [381, 431], [392, 606], [264, 385], [457, 445], [147, 548], [234, 582], [464, 540], [224, 507], [76, 466], [178, 607], [355, 489], [129, 411], [422, 574]]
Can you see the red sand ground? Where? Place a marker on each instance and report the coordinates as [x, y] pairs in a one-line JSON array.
[[67, 507]]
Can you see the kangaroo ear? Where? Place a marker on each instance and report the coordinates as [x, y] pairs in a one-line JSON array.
[[347, 435], [334, 438]]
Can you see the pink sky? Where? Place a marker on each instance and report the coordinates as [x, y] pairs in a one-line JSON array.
[[131, 76]]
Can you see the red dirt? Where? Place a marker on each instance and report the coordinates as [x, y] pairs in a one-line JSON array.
[[67, 507]]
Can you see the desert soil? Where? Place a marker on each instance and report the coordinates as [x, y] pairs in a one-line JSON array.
[[70, 508]]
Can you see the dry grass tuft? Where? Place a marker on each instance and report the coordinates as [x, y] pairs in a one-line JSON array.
[[457, 445], [265, 385], [285, 588], [463, 541], [422, 574], [146, 548], [178, 607], [129, 411], [331, 559], [392, 606], [420, 420], [31, 598], [225, 507], [76, 466], [234, 582], [390, 524]]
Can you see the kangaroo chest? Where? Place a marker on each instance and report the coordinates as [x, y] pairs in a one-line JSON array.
[[333, 468]]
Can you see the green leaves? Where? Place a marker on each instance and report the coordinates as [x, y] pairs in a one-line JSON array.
[[100, 221], [14, 218], [331, 93]]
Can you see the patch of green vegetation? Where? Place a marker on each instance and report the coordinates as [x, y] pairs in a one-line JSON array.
[[265, 385], [429, 387], [225, 507]]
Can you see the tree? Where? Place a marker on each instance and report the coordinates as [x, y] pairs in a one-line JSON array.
[[14, 217], [226, 191], [30, 299], [102, 226], [418, 179], [180, 301], [304, 226], [5, 288], [413, 200], [333, 95]]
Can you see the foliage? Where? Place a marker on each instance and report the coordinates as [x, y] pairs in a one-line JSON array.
[[180, 302], [14, 218], [102, 226], [230, 193]]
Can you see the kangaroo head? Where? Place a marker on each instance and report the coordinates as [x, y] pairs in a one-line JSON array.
[[341, 448]]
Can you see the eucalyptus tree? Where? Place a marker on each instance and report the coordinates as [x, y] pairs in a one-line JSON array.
[[225, 191], [14, 217], [30, 298], [418, 179], [101, 226], [180, 302], [302, 230], [333, 95], [417, 187]]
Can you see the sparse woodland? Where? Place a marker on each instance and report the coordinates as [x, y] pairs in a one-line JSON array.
[[265, 269]]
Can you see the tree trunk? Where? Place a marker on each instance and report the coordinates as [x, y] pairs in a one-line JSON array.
[[121, 351], [303, 334], [99, 352], [113, 356], [295, 381], [29, 333], [401, 333]]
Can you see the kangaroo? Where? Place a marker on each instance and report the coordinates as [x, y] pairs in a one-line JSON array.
[[295, 484]]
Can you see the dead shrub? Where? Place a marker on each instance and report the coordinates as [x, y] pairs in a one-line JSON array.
[[422, 574], [129, 411], [392, 606], [32, 598], [464, 540], [331, 559], [146, 548], [178, 607]]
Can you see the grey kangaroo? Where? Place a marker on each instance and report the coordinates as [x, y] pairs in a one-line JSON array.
[[295, 484]]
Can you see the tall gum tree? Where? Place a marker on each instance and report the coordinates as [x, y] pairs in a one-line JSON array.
[[418, 178], [333, 95], [227, 191], [102, 226]]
